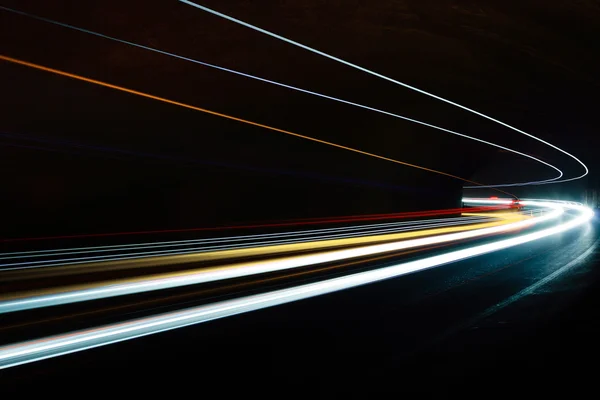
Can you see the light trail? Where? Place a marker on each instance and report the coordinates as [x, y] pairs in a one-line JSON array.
[[53, 346], [242, 238], [64, 344], [370, 72], [230, 117], [310, 92], [394, 242], [217, 243], [286, 223], [220, 289]]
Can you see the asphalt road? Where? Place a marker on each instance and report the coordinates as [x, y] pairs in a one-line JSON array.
[[501, 321]]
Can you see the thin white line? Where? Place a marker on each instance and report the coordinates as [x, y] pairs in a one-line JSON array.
[[36, 350], [368, 71], [28, 265], [167, 281], [297, 89], [261, 238]]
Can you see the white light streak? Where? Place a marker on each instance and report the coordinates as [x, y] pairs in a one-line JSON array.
[[11, 266], [370, 72], [54, 346], [232, 71], [194, 277]]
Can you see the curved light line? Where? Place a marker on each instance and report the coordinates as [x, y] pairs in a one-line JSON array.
[[14, 266], [170, 280], [215, 244], [229, 239], [368, 71], [205, 64], [230, 117], [53, 346]]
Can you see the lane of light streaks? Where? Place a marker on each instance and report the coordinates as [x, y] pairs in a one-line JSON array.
[[231, 239], [66, 295], [371, 72], [74, 267], [134, 252], [297, 223], [54, 346], [230, 117], [310, 92]]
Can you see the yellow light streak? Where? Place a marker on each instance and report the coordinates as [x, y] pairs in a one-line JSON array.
[[274, 250]]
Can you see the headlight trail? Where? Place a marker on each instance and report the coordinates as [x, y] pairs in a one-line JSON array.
[[214, 244], [22, 270], [242, 238], [280, 224], [230, 117], [370, 72], [394, 242], [53, 346], [226, 287], [310, 92]]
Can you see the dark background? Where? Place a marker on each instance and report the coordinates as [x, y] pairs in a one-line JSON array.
[[79, 158]]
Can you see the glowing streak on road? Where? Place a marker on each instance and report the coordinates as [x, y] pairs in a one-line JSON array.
[[242, 238], [290, 87], [287, 223], [211, 245], [368, 71], [226, 116], [66, 295], [53, 346], [137, 261]]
